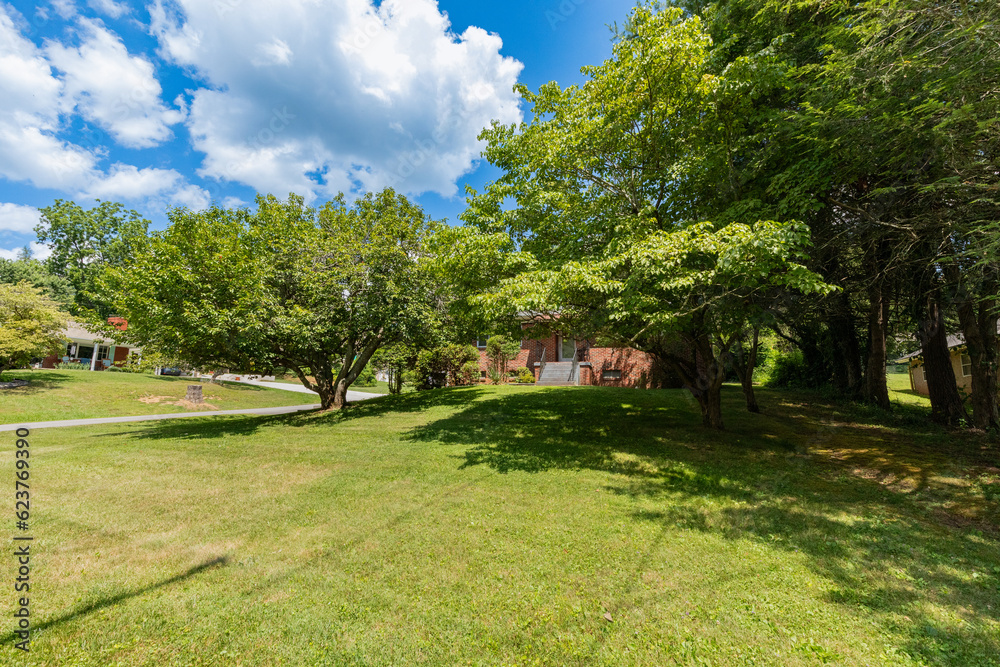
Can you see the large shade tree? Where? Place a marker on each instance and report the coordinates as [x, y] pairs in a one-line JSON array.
[[605, 184], [318, 292]]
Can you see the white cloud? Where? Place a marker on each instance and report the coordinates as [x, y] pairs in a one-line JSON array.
[[30, 118], [38, 251], [18, 219], [64, 8], [116, 90], [109, 7], [125, 181], [319, 97]]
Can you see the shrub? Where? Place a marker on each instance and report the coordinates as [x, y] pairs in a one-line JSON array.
[[450, 365], [525, 376], [500, 350], [366, 378], [74, 366]]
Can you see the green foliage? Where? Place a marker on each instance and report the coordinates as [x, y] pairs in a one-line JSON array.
[[74, 366], [446, 366], [26, 269], [395, 360], [499, 352], [525, 376], [366, 378], [84, 242], [609, 184], [318, 292], [31, 325]]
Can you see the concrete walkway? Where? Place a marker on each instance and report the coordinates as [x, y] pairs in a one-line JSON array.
[[283, 410], [352, 397]]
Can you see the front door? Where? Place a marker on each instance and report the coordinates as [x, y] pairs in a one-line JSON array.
[[567, 349]]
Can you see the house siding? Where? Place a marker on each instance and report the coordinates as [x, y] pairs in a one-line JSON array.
[[919, 383]]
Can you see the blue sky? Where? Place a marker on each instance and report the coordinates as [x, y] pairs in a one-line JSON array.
[[185, 102]]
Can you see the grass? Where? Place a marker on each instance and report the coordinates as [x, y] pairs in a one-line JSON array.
[[54, 394], [378, 388], [488, 526], [900, 392]]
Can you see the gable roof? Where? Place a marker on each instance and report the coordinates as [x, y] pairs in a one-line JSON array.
[[955, 340]]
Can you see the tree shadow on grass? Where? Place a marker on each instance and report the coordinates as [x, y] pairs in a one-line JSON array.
[[219, 426], [97, 605], [37, 382], [854, 497]]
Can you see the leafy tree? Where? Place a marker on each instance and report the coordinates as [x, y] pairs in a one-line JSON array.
[[605, 184], [500, 350], [31, 325], [86, 241], [26, 269], [317, 292], [395, 360]]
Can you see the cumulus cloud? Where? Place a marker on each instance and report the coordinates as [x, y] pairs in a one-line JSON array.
[[38, 251], [343, 95], [100, 81], [115, 90], [18, 219], [30, 118]]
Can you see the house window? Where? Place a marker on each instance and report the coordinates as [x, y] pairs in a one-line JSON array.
[[481, 343], [103, 352], [611, 375], [84, 352], [966, 365], [923, 373]]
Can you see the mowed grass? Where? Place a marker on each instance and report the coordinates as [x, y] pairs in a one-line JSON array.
[[900, 392], [515, 526], [54, 394]]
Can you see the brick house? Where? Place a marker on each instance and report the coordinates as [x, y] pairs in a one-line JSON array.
[[86, 347], [558, 361]]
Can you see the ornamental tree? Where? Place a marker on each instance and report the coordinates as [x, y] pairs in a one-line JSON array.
[[318, 292], [31, 325]]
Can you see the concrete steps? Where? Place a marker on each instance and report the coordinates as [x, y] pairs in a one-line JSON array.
[[557, 374]]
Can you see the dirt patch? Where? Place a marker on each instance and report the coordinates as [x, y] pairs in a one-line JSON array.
[[13, 384], [180, 403]]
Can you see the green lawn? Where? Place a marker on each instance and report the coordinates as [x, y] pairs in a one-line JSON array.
[[377, 388], [487, 526], [900, 392], [54, 394]]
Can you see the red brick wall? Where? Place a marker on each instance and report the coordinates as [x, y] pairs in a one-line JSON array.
[[635, 366]]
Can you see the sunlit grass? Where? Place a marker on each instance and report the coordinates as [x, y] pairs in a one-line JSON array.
[[54, 394], [517, 526]]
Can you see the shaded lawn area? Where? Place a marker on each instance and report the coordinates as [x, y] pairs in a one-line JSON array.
[[378, 388], [514, 525], [54, 394]]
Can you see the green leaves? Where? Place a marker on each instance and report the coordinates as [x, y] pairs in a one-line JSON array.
[[31, 325]]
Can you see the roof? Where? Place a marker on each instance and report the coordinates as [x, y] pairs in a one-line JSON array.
[[955, 340], [79, 331]]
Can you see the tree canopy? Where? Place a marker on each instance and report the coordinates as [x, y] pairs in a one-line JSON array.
[[318, 292], [31, 325]]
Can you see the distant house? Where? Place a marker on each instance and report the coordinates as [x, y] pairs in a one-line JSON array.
[[84, 346], [961, 363], [556, 360]]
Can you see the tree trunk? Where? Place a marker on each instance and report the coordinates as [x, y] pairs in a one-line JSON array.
[[846, 353], [340, 393], [979, 325], [946, 403], [876, 384], [744, 364]]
